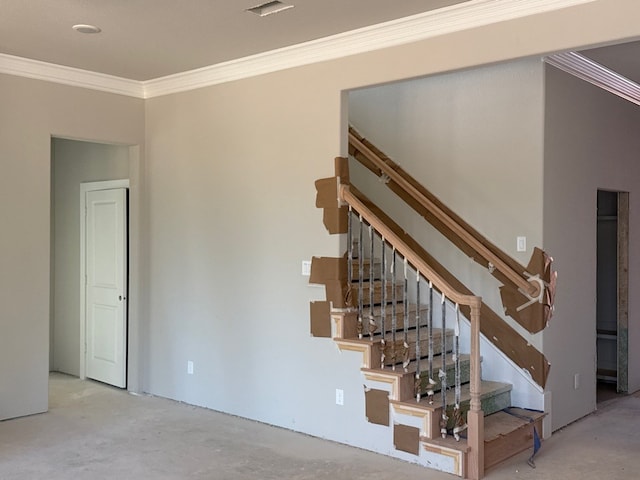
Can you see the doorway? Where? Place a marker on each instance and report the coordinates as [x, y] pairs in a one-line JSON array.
[[612, 293], [72, 163]]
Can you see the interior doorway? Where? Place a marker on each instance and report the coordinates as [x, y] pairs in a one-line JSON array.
[[612, 293], [73, 163]]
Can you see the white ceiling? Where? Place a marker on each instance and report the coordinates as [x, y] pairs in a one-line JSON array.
[[148, 39], [144, 41]]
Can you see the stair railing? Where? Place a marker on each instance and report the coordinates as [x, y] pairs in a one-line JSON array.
[[362, 218], [495, 258]]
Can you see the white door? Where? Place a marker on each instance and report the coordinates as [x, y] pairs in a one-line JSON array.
[[106, 286]]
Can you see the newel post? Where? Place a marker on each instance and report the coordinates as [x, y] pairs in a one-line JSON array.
[[475, 417]]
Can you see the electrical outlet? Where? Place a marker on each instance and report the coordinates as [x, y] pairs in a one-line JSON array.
[[190, 367], [339, 396], [521, 244], [306, 268]]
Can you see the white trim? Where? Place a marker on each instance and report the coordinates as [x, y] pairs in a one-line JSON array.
[[75, 77], [463, 16], [84, 188], [586, 69]]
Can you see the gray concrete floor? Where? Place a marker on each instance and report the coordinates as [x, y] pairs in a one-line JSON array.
[[96, 432]]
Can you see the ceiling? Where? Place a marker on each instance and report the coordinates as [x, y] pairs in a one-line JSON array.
[[143, 40], [148, 39]]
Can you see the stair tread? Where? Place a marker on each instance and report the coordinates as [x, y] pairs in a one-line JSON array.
[[488, 389], [377, 309], [501, 423], [411, 335], [424, 366]]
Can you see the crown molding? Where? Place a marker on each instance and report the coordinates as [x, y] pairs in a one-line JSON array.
[[75, 77], [596, 74], [462, 16]]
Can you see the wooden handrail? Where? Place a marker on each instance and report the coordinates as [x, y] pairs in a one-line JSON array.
[[360, 206], [531, 289], [475, 419]]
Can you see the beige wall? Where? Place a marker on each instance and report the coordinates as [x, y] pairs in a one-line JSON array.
[[474, 139], [228, 216], [231, 215], [32, 112], [591, 143], [73, 162]]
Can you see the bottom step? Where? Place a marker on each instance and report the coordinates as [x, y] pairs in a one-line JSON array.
[[506, 435], [446, 455]]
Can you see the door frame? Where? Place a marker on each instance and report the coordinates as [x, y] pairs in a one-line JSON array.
[[622, 292], [84, 188]]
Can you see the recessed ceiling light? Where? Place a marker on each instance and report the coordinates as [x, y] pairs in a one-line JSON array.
[[86, 28], [269, 8]]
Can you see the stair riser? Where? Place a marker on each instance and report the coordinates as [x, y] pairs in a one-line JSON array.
[[491, 402], [366, 267], [489, 405], [377, 294], [465, 371], [424, 349], [388, 321]]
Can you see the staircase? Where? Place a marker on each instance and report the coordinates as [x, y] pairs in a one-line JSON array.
[[404, 393], [418, 327]]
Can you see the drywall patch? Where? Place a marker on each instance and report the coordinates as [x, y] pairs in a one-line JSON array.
[[406, 438], [377, 406], [334, 216], [320, 313], [332, 273]]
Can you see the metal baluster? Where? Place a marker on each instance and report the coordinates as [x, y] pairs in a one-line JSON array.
[[383, 305], [405, 320], [372, 320], [459, 425], [418, 383], [394, 320], [350, 246], [360, 281], [443, 371], [432, 382]]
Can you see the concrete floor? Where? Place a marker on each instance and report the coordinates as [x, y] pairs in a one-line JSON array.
[[96, 432]]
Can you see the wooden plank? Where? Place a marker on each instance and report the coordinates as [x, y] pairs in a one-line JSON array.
[[507, 435]]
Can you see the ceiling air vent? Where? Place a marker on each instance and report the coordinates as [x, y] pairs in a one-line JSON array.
[[269, 8]]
